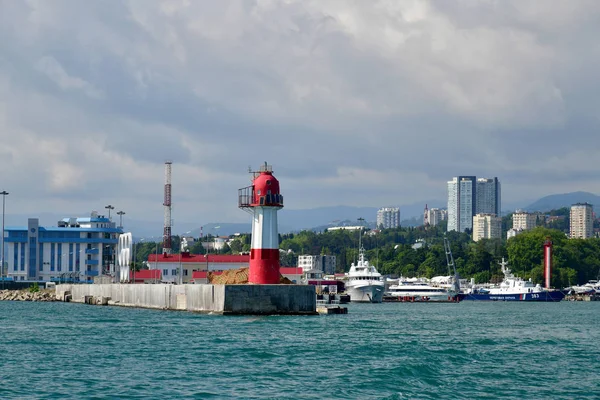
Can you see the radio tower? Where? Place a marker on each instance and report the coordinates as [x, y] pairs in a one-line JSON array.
[[426, 217], [167, 233]]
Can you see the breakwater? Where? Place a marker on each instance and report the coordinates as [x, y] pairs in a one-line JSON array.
[[220, 299], [27, 295]]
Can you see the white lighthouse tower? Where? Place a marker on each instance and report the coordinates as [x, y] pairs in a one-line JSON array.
[[263, 200]]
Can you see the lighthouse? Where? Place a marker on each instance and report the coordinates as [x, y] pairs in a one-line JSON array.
[[547, 262], [263, 199]]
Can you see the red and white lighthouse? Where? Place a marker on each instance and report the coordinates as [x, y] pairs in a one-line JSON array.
[[263, 200]]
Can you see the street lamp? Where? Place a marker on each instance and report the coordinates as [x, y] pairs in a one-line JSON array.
[[121, 213], [109, 207], [4, 193]]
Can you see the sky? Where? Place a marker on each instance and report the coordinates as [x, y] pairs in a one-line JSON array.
[[358, 103]]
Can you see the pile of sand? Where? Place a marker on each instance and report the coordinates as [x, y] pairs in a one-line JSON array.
[[236, 277]]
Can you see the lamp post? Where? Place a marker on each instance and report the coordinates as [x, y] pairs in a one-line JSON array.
[[121, 213], [109, 207], [4, 193]]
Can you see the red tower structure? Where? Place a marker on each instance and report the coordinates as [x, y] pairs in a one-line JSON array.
[[263, 199], [547, 262]]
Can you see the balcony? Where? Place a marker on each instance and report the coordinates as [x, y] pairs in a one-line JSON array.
[[91, 251], [91, 262]]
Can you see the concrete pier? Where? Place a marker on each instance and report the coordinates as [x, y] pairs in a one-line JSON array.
[[219, 299]]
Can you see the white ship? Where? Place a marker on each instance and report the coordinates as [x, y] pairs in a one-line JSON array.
[[419, 290], [592, 287], [363, 282]]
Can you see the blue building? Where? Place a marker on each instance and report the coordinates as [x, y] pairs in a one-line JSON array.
[[78, 249]]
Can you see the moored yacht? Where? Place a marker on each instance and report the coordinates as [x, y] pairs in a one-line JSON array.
[[364, 283], [418, 290]]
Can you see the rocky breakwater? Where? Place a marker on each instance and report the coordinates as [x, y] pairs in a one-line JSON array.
[[27, 295]]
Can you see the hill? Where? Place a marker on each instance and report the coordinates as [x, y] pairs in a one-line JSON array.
[[556, 201]]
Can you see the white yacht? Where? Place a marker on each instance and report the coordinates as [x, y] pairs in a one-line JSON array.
[[419, 290], [592, 287], [363, 282]]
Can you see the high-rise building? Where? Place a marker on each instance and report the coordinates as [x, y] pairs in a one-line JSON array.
[[468, 196], [388, 217], [486, 226], [581, 221], [488, 196], [461, 203]]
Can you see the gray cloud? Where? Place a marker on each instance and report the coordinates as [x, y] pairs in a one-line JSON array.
[[357, 103]]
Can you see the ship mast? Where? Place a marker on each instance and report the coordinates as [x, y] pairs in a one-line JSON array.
[[361, 251]]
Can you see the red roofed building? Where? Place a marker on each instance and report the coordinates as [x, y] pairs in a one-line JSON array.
[[146, 276], [202, 276], [170, 264], [292, 273]]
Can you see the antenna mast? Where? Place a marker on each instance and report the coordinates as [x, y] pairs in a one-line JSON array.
[[167, 204]]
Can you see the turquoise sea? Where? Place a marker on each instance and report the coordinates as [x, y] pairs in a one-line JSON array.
[[471, 350]]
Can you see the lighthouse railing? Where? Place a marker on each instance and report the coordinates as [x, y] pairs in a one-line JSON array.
[[245, 197]]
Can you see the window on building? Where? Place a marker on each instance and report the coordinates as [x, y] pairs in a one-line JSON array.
[[185, 272], [52, 256], [22, 257], [173, 272], [16, 257], [165, 272]]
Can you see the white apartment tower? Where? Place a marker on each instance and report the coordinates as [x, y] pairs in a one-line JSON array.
[[486, 226], [388, 217], [581, 221]]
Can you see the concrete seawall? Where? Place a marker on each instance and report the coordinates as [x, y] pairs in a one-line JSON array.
[[221, 299]]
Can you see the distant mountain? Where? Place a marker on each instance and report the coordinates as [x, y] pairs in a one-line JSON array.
[[316, 219], [296, 220], [556, 201]]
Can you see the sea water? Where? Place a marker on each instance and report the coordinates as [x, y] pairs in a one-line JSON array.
[[474, 350]]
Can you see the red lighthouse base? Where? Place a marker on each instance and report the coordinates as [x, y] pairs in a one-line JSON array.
[[264, 266]]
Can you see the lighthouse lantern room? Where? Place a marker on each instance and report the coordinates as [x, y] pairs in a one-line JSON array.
[[263, 200]]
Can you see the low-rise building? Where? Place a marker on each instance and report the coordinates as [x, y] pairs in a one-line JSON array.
[[76, 250], [323, 263], [170, 265], [512, 232]]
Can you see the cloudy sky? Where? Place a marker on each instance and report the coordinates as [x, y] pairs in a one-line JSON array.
[[362, 103]]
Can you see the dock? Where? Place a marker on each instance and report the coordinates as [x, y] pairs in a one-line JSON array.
[[215, 299], [582, 297], [329, 310]]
